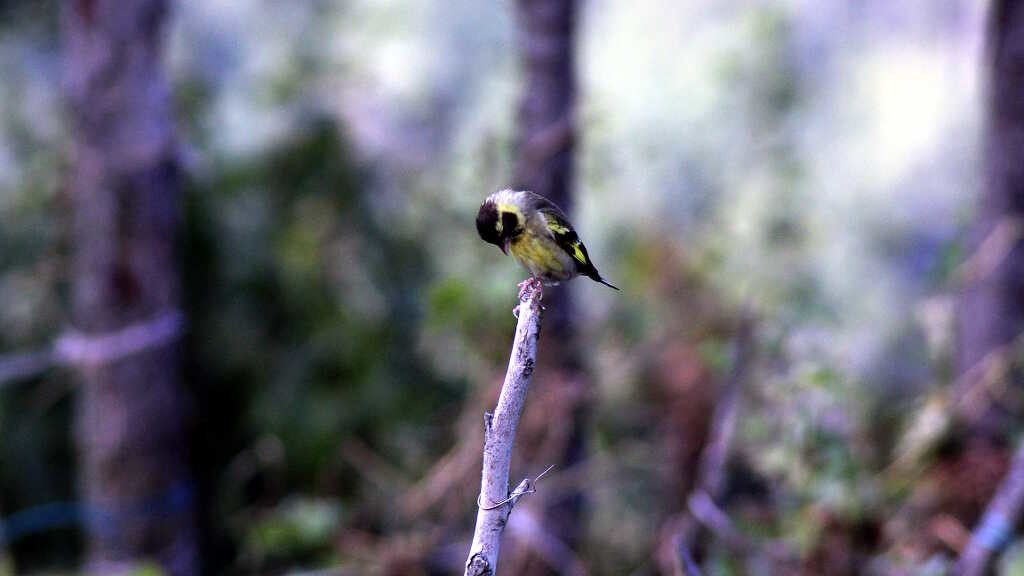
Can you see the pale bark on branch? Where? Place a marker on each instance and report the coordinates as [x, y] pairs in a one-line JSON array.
[[495, 501]]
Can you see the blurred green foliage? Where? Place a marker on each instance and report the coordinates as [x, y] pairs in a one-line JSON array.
[[790, 160]]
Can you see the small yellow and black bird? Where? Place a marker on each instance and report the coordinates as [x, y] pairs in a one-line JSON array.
[[538, 235]]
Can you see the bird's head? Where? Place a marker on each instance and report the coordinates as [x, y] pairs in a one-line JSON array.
[[498, 223]]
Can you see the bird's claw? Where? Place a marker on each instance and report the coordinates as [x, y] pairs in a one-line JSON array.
[[524, 288], [527, 285]]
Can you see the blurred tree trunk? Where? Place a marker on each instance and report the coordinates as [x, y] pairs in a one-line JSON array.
[[992, 306], [547, 35], [131, 422], [991, 312], [6, 566], [544, 164]]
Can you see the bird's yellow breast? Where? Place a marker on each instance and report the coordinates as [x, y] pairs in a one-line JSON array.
[[541, 257]]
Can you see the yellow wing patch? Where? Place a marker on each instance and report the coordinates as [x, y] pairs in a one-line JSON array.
[[566, 237], [577, 253], [557, 228]]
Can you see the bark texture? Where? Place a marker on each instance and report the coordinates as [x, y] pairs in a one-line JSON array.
[[499, 437], [123, 189]]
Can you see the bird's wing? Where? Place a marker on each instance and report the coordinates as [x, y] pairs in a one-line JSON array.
[[566, 237]]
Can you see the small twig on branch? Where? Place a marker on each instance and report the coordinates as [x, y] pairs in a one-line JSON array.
[[966, 400], [26, 364], [441, 479], [525, 487], [713, 459], [372, 465], [95, 349], [713, 518], [992, 251], [711, 471], [997, 525], [702, 511], [495, 502], [973, 392], [687, 566], [75, 348]]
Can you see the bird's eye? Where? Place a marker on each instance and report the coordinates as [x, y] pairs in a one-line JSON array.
[[509, 223]]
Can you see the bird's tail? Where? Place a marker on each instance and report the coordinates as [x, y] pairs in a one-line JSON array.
[[606, 283]]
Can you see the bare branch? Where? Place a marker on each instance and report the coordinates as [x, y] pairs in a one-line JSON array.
[[998, 524], [499, 437], [685, 564], [92, 350], [85, 350], [711, 471], [992, 252], [713, 518], [26, 364]]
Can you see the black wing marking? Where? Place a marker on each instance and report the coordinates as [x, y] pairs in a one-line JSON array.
[[568, 240], [565, 236]]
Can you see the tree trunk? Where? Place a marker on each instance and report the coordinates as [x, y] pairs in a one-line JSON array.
[[992, 306], [544, 164], [991, 311], [547, 35], [131, 422]]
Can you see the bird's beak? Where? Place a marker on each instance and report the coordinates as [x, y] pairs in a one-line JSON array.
[[504, 247]]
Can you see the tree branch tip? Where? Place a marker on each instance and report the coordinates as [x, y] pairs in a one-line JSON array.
[[521, 490], [541, 475], [499, 436], [478, 566], [532, 294]]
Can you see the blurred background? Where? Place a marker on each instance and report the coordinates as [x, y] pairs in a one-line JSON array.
[[247, 325]]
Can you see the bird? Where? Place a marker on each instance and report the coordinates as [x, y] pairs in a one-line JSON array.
[[538, 235]]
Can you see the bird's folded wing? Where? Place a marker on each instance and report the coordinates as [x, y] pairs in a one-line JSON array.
[[566, 238]]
